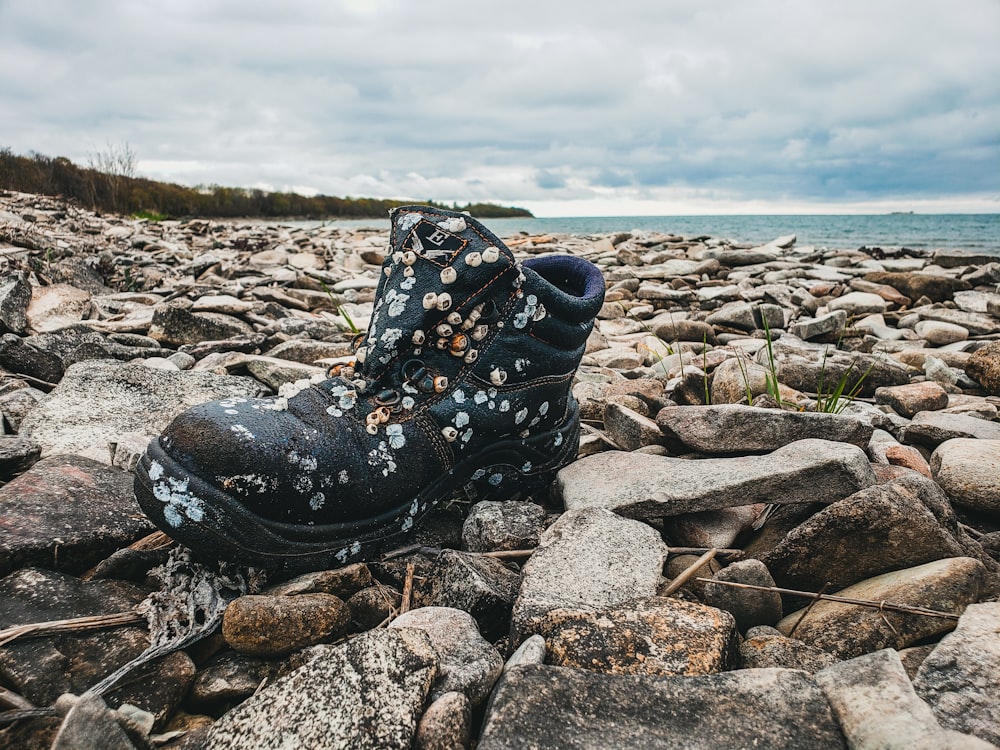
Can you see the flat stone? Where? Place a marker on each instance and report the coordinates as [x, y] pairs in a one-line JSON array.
[[272, 626], [654, 636], [98, 400], [732, 428], [277, 372], [510, 525], [847, 630], [341, 582], [935, 287], [822, 325], [646, 486], [684, 330], [588, 559], [221, 303], [467, 662], [937, 333], [67, 512], [858, 303], [974, 323], [808, 371], [228, 678], [43, 668], [366, 693], [876, 706], [175, 326], [878, 529], [909, 399], [931, 428], [738, 315], [57, 306], [969, 472], [547, 707], [307, 351], [959, 678], [712, 528]]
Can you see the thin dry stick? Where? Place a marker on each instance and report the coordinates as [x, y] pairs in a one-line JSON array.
[[404, 605], [690, 573], [808, 609], [509, 554], [905, 608], [74, 625]]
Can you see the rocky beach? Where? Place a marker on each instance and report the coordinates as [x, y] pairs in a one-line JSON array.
[[782, 530]]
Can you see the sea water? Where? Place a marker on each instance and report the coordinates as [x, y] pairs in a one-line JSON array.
[[978, 233]]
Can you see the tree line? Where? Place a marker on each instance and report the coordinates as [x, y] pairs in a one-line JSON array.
[[109, 184]]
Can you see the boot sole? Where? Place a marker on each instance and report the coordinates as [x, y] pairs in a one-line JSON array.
[[204, 518]]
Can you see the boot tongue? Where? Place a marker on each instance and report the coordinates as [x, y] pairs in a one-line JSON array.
[[443, 270]]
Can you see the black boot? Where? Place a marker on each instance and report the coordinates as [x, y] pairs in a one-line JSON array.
[[462, 382]]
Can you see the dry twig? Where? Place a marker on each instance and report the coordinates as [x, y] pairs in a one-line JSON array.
[[689, 573], [881, 605], [72, 625]]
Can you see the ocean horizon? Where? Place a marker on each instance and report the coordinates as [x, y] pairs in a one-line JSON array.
[[979, 233]]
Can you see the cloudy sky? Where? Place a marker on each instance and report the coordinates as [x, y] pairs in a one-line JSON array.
[[577, 107]]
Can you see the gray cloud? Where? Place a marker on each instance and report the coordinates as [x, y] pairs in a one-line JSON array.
[[599, 105]]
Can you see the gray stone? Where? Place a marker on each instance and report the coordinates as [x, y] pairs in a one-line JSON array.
[[731, 428], [858, 303], [42, 668], [969, 472], [931, 428], [712, 528], [366, 693], [277, 372], [492, 526], [876, 530], [482, 586], [228, 678], [17, 454], [938, 333], [848, 630], [15, 296], [549, 707], [341, 582], [808, 370], [89, 723], [658, 635], [467, 662], [628, 429], [959, 678], [876, 706], [644, 486], [748, 606], [824, 325], [588, 559], [16, 404], [98, 400], [733, 378], [738, 315], [765, 648], [974, 323], [175, 326], [69, 513], [532, 651]]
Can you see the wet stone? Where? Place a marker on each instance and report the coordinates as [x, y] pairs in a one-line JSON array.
[[67, 512], [271, 626]]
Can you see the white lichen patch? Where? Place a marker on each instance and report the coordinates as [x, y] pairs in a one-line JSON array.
[[394, 433], [179, 502], [242, 431], [317, 501], [521, 415], [459, 396], [461, 419], [343, 477]]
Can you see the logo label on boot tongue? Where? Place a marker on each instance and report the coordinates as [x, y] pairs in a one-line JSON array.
[[434, 243]]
